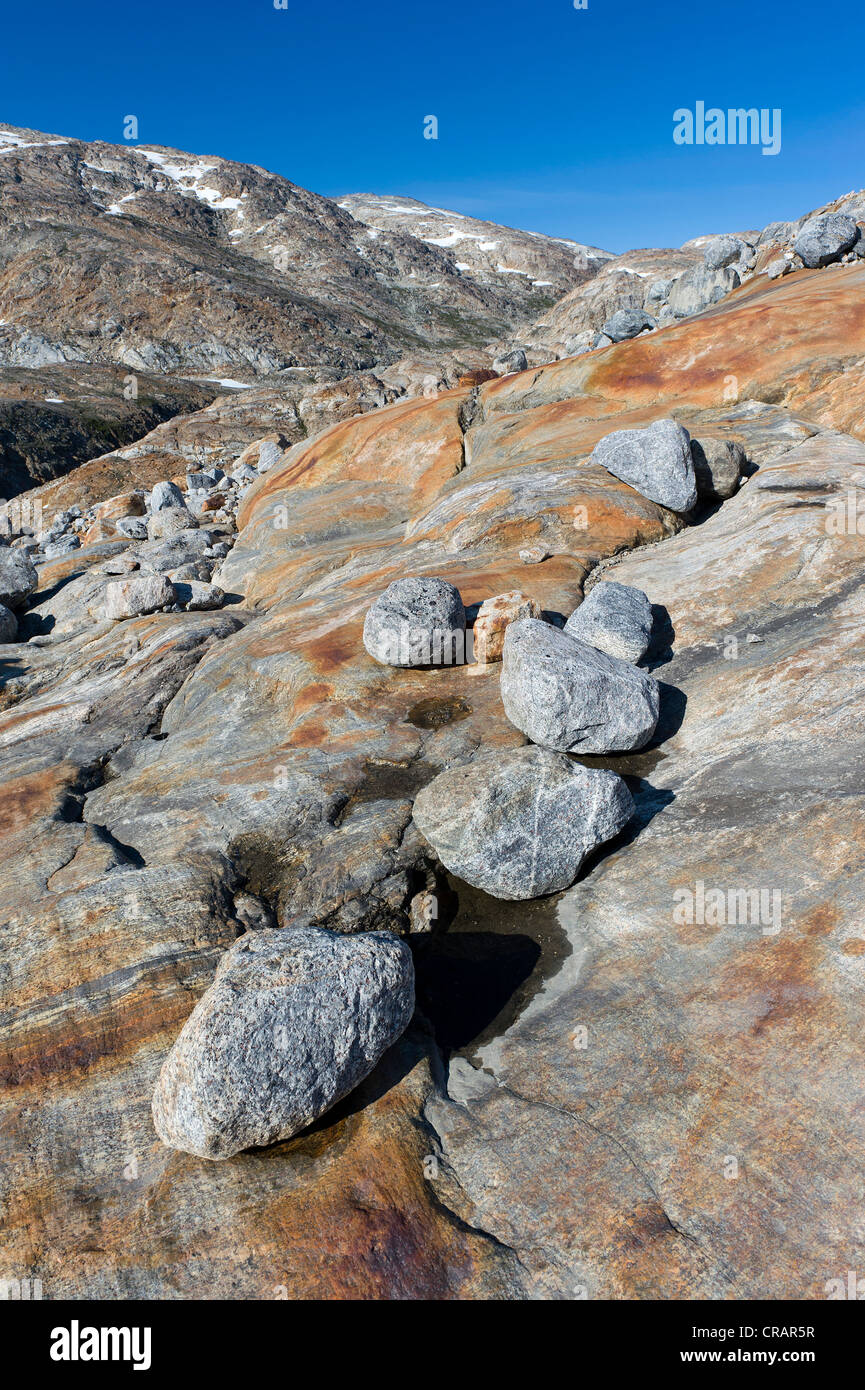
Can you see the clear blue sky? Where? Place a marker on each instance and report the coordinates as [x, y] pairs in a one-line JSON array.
[[550, 118]]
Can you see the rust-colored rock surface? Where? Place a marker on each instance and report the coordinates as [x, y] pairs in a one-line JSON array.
[[598, 1097]]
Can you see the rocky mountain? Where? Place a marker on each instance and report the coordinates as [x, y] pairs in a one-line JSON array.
[[532, 269], [665, 285], [159, 260], [209, 784]]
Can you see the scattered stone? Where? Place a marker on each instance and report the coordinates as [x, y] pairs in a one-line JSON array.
[[130, 598], [8, 625], [124, 504], [614, 618], [120, 564], [134, 527], [700, 287], [197, 597], [825, 238], [492, 620], [165, 494], [508, 362], [18, 577], [780, 266], [718, 466], [423, 913], [601, 341], [656, 461], [627, 323], [534, 554], [722, 251], [293, 1021], [519, 824], [416, 622], [562, 693], [168, 522]]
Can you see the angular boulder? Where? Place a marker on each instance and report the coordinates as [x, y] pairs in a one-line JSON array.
[[701, 287], [493, 619], [718, 466], [723, 251], [293, 1021], [18, 577], [168, 522], [656, 461], [825, 238], [519, 824], [614, 618], [627, 323], [131, 598], [8, 625], [166, 494], [416, 622], [564, 694]]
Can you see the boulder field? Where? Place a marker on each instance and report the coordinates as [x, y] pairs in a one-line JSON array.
[[623, 1090]]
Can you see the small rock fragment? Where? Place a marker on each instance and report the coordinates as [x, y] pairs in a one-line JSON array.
[[493, 618]]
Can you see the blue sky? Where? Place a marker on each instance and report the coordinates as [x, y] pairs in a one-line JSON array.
[[550, 118]]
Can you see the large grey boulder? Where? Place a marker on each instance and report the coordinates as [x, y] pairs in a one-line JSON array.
[[723, 251], [166, 494], [131, 598], [8, 625], [627, 323], [697, 289], [656, 461], [519, 824], [718, 466], [168, 522], [825, 238], [508, 362], [416, 622], [614, 618], [293, 1021], [562, 693], [18, 577]]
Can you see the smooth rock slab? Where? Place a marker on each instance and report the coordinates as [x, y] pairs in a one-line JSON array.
[[614, 618], [825, 238], [416, 622], [562, 693], [519, 824], [18, 577], [656, 461], [293, 1021]]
